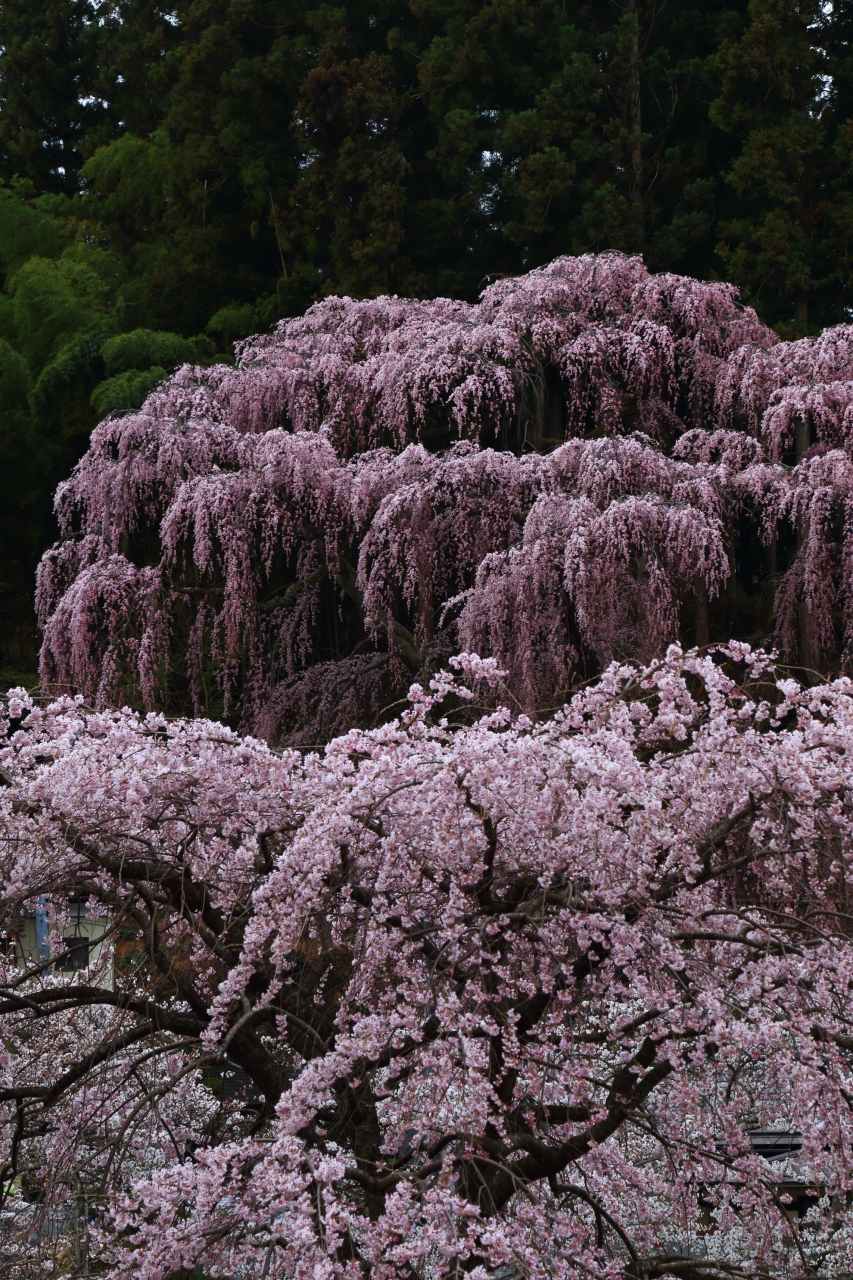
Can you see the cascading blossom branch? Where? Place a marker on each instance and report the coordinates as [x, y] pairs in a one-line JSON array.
[[587, 464], [509, 998]]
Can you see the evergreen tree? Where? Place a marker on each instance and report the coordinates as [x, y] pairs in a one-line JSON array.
[[190, 202], [780, 241], [837, 42], [24, 508], [503, 134], [135, 39], [48, 66]]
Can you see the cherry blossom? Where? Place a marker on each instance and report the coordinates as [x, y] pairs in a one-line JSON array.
[[589, 463], [507, 996]]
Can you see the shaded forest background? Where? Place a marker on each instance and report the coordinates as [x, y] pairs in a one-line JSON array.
[[174, 179]]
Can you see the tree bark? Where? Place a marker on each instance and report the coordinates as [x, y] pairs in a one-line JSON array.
[[703, 629]]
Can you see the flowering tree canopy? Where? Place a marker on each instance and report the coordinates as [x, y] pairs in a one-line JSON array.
[[586, 465], [510, 998]]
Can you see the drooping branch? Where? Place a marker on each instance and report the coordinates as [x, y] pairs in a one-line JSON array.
[[362, 485]]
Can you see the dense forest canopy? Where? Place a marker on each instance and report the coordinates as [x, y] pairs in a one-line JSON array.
[[184, 177]]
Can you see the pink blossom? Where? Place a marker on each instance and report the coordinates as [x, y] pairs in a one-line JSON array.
[[573, 468], [511, 995]]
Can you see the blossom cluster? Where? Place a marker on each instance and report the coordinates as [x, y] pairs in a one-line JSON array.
[[508, 998], [575, 469]]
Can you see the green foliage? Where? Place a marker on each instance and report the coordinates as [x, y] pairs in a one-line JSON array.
[[125, 390], [60, 397], [145, 348], [48, 67], [782, 243], [135, 362], [22, 504], [25, 230], [51, 301], [15, 382], [229, 324]]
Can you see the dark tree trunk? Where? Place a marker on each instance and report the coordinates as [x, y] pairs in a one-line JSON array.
[[703, 629]]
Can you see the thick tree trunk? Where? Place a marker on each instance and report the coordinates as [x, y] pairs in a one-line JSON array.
[[555, 407], [703, 629], [802, 437], [805, 638], [772, 557]]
